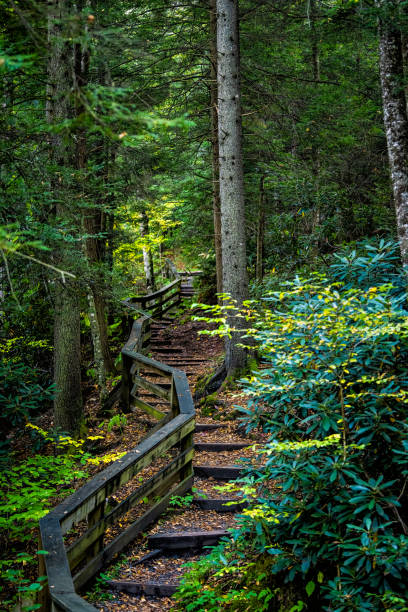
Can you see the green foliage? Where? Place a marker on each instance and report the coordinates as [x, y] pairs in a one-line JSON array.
[[182, 501], [230, 579], [333, 397], [118, 421], [21, 396], [29, 488], [15, 575]]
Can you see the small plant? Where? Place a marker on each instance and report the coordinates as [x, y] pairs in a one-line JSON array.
[[118, 421], [185, 501], [99, 592], [26, 589]]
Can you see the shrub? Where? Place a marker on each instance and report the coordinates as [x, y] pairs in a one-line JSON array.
[[22, 396], [333, 397]]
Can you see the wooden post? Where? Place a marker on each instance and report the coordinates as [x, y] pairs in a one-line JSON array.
[[187, 469], [93, 517], [174, 406], [160, 308], [126, 383], [43, 597]]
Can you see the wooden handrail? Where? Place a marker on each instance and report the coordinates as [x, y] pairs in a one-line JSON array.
[[88, 554], [156, 294]]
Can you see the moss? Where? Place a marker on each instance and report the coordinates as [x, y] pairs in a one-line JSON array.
[[208, 405]]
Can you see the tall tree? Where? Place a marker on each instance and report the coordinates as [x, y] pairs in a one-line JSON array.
[[235, 281], [147, 253], [395, 117], [215, 156], [67, 374]]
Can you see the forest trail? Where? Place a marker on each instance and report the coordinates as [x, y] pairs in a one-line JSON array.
[[149, 571]]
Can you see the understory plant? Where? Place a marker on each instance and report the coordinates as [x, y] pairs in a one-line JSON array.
[[331, 495], [28, 489]]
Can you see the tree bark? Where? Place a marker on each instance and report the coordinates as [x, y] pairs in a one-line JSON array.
[[147, 254], [234, 280], [93, 224], [214, 145], [68, 414], [396, 125], [260, 233]]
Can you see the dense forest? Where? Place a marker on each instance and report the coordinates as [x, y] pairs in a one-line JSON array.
[[259, 148]]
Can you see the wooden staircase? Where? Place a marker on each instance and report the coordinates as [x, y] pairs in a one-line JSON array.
[[138, 503], [169, 543]]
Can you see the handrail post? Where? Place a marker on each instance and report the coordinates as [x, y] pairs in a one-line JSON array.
[[179, 292], [44, 597], [126, 383], [174, 405], [187, 469], [93, 517]]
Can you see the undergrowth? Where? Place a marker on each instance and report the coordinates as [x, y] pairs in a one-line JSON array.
[[329, 525]]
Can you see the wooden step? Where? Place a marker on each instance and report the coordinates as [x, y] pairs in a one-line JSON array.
[[218, 505], [151, 589], [183, 540], [218, 472], [218, 447], [209, 426]]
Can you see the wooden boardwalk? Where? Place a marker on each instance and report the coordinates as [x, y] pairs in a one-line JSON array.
[[169, 463]]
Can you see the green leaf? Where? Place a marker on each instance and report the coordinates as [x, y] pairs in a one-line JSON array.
[[310, 587]]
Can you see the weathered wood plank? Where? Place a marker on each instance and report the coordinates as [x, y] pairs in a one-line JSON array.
[[77, 551], [151, 589], [70, 602], [122, 540], [157, 414], [84, 500], [182, 540], [134, 342], [169, 416], [169, 306], [156, 294], [221, 446], [219, 505], [209, 426], [185, 400], [56, 561], [222, 472], [152, 387], [152, 363]]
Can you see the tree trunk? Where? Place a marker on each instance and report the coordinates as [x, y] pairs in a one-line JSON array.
[[317, 213], [260, 233], [396, 125], [93, 224], [214, 145], [68, 413], [234, 279], [147, 254]]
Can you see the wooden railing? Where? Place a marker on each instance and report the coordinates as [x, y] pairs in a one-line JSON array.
[[159, 302], [70, 568]]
